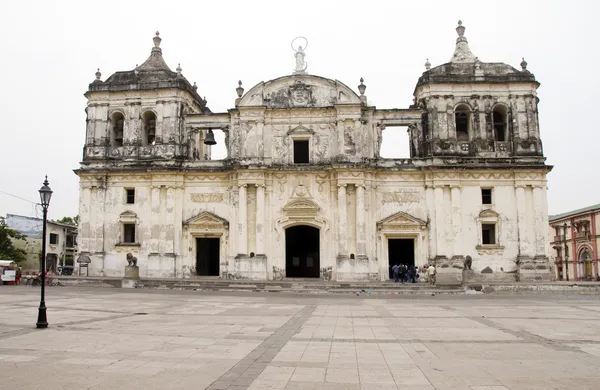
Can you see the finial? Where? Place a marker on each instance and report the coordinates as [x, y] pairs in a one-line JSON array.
[[98, 74], [157, 39], [46, 181], [178, 69], [462, 52], [460, 30], [427, 64], [362, 88], [523, 65], [195, 87], [239, 90]]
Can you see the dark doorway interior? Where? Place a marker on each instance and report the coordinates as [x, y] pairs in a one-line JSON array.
[[207, 256], [401, 251], [302, 252]]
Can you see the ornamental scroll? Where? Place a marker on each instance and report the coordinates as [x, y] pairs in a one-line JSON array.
[[207, 198], [405, 195]]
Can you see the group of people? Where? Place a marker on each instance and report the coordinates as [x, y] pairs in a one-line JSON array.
[[406, 274]]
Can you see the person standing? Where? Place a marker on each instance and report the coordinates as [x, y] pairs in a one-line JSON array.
[[431, 273], [395, 272], [402, 273]]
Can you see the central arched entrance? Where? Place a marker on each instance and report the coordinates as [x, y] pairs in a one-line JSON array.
[[302, 249]]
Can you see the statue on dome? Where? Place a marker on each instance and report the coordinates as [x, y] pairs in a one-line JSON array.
[[301, 65]]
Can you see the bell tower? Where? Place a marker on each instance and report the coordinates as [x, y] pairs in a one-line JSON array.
[[138, 114], [473, 108]]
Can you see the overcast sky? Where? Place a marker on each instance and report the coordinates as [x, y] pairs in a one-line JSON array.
[[51, 49]]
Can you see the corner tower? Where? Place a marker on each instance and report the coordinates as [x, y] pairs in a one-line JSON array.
[[479, 138], [478, 109], [138, 114]]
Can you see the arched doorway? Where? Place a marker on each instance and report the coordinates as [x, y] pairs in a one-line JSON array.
[[302, 248], [585, 259]]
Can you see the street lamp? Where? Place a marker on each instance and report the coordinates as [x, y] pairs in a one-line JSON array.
[[45, 195]]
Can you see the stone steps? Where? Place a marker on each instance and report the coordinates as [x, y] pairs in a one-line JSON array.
[[297, 286]]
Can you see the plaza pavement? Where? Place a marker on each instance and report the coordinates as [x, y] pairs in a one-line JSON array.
[[104, 338]]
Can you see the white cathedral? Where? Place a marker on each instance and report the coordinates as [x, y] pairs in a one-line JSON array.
[[303, 191]]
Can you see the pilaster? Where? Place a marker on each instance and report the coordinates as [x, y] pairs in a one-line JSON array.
[[155, 219], [440, 227], [361, 234], [243, 220], [522, 221], [458, 240], [260, 219], [343, 221]]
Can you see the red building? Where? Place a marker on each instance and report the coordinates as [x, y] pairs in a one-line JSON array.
[[574, 240]]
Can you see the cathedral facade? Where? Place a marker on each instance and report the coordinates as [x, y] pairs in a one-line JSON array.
[[303, 191]]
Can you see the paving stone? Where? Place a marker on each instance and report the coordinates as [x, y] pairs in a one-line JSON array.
[[218, 341]]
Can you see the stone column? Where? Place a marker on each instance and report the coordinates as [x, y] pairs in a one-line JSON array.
[[440, 228], [243, 221], [155, 220], [361, 233], [260, 219], [343, 221], [456, 222], [522, 221]]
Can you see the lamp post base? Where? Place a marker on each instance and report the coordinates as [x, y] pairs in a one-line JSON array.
[[42, 321]]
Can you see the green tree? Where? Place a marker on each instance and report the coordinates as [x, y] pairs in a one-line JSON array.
[[69, 220], [7, 249]]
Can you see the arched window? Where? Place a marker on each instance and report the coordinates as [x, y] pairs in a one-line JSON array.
[[117, 121], [499, 123], [148, 128], [462, 120]]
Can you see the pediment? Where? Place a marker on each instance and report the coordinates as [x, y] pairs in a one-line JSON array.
[[299, 91], [206, 218], [401, 218], [488, 214], [300, 130], [128, 215], [301, 207]]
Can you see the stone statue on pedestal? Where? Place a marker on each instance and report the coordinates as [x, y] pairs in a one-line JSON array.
[[301, 65], [131, 260]]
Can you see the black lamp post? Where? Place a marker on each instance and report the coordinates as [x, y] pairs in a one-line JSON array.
[[45, 195]]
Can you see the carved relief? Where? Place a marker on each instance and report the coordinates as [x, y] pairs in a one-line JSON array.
[[321, 147], [349, 145], [279, 147], [402, 196], [207, 198]]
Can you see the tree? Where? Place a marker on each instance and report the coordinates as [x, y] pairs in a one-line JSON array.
[[7, 249], [69, 221]]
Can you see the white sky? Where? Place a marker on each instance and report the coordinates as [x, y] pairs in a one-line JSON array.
[[51, 49]]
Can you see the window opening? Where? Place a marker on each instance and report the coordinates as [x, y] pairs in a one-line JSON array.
[[499, 125], [462, 125], [130, 195], [301, 152], [129, 233], [488, 234], [53, 238], [118, 122], [149, 120], [486, 195]]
